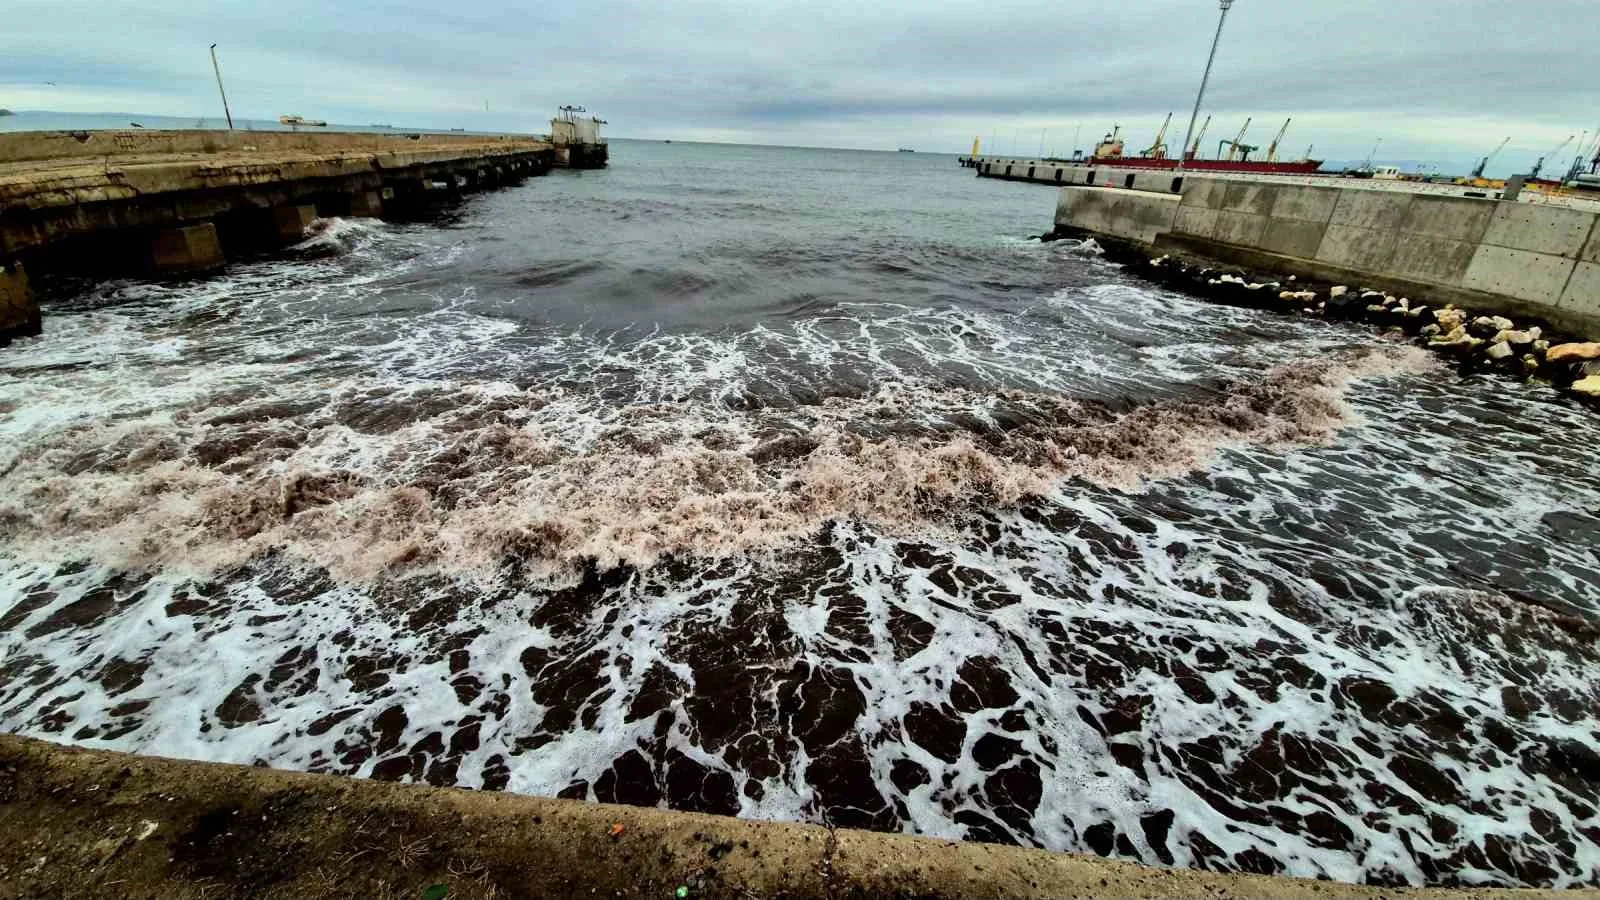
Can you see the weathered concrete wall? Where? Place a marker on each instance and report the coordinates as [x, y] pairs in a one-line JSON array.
[[1535, 258], [1101, 176], [88, 824], [19, 312], [59, 145], [1135, 215], [181, 201], [166, 179]]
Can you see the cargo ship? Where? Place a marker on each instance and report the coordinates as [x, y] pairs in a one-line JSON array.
[[1232, 156]]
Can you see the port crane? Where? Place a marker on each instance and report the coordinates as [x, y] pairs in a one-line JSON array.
[[1158, 150], [1194, 151], [1477, 171], [1272, 149], [1235, 147], [1539, 166], [1577, 158]]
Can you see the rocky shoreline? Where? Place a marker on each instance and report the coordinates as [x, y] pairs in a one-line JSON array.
[[1475, 340]]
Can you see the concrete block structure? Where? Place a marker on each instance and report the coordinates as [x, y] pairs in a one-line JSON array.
[[1133, 215], [180, 201], [56, 187], [367, 204], [188, 248], [289, 223], [19, 312], [1521, 256], [1582, 296]]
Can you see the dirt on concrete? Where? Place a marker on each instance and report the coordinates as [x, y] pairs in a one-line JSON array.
[[77, 823]]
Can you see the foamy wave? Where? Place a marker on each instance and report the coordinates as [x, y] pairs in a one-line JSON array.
[[1332, 662], [491, 480], [338, 235]]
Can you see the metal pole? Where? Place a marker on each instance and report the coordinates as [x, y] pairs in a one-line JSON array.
[[1041, 142], [218, 69], [1368, 163], [1184, 150]]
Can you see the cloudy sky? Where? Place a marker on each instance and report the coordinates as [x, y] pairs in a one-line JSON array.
[[1441, 80]]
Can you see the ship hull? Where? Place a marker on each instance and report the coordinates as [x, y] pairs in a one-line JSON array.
[[1299, 167]]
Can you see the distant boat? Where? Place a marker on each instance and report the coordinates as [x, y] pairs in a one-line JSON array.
[[296, 121], [458, 129], [668, 141], [904, 150], [381, 126]]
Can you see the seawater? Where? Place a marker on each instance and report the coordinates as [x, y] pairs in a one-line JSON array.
[[801, 484]]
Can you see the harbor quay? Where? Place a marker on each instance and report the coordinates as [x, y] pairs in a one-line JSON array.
[[1527, 254], [178, 202]]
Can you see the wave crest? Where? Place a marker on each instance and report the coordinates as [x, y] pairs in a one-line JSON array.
[[483, 484]]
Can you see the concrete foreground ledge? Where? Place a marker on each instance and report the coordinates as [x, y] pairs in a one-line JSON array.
[[80, 823]]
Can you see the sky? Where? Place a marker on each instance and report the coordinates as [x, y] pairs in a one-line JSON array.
[[1442, 80]]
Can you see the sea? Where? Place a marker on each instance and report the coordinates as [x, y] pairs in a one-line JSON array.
[[808, 485]]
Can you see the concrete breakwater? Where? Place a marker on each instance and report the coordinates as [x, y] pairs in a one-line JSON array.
[[170, 202], [79, 823], [1450, 272], [1508, 257], [1530, 348]]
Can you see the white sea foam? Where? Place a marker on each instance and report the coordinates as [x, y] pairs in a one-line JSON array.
[[1104, 569]]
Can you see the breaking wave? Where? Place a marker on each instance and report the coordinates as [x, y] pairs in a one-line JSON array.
[[812, 499], [468, 477]]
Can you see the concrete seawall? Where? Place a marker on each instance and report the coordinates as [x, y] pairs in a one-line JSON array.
[[181, 201], [77, 823], [1520, 258]]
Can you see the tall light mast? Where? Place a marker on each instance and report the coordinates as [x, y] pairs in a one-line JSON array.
[[1199, 97], [218, 70]]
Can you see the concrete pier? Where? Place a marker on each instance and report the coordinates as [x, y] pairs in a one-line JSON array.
[[182, 201], [92, 824], [1527, 257], [55, 186]]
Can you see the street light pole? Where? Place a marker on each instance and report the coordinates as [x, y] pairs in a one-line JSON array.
[[218, 69], [1183, 152]]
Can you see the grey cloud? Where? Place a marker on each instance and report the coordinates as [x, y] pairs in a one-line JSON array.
[[1434, 78]]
